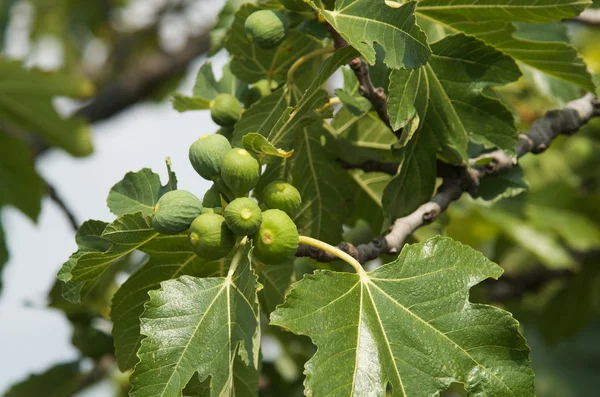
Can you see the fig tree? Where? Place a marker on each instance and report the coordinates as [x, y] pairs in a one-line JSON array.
[[210, 237], [276, 240], [175, 211], [282, 196], [207, 153], [225, 110], [240, 171], [266, 28], [243, 216]]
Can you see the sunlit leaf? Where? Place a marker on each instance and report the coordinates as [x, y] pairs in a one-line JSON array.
[[362, 22], [139, 192], [451, 107], [198, 325], [408, 323]]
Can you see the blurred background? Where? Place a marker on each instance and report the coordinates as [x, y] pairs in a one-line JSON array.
[[113, 64]]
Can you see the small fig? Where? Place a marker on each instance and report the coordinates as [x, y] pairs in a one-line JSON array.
[[207, 153], [266, 28], [212, 197], [240, 171], [282, 196], [225, 110], [214, 210], [210, 237], [175, 211], [243, 216], [276, 240]]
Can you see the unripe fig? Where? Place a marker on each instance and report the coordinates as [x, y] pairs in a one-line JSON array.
[[258, 90], [225, 110], [175, 211], [210, 237], [214, 210], [277, 238], [243, 216], [282, 196], [212, 197], [266, 28], [207, 153], [240, 171]]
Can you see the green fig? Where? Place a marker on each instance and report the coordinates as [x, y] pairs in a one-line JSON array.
[[210, 237], [276, 240], [240, 171], [207, 154], [282, 196], [175, 211], [225, 110], [266, 28], [243, 216]]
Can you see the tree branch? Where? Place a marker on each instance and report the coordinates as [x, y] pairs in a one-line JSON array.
[[376, 95], [54, 196], [542, 132]]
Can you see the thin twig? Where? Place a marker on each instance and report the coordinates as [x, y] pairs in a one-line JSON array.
[[376, 95], [54, 196], [542, 132]]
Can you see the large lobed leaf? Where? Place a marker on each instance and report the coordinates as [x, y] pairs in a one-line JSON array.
[[170, 258], [490, 20], [362, 22], [512, 10], [84, 268], [408, 323], [446, 94], [199, 325]]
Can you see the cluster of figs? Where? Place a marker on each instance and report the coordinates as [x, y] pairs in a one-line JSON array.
[[226, 213]]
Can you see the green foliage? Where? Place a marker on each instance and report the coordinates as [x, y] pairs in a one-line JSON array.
[[59, 381], [26, 102], [21, 186], [139, 191], [213, 320], [387, 326], [303, 163]]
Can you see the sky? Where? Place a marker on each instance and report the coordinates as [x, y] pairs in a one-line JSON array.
[[33, 338]]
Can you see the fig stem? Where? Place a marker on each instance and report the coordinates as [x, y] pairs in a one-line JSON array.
[[303, 59], [236, 258], [313, 242]]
